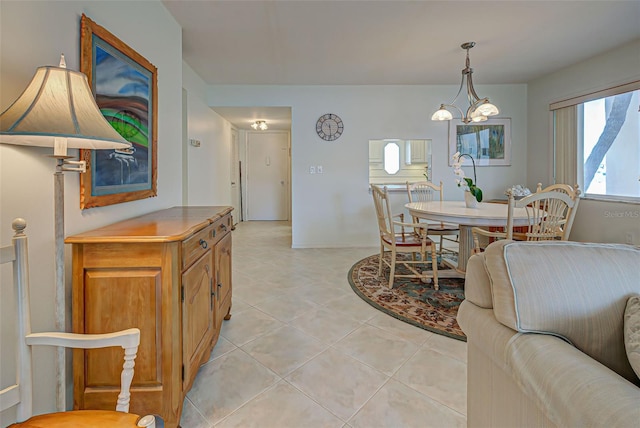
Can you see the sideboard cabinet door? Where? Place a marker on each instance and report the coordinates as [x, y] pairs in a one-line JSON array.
[[223, 276], [197, 315]]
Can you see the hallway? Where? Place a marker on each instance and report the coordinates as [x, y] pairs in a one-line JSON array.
[[303, 350]]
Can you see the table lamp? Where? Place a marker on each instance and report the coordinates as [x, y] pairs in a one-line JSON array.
[[57, 109]]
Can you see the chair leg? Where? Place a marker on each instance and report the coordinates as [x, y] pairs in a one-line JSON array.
[[434, 266], [380, 259], [392, 271]]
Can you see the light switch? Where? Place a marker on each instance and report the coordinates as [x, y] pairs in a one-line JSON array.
[[312, 170], [319, 169]]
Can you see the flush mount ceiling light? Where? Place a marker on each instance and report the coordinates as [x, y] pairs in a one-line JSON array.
[[479, 108], [260, 124]]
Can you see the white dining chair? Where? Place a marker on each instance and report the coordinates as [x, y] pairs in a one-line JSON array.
[[550, 216], [426, 191], [398, 237]]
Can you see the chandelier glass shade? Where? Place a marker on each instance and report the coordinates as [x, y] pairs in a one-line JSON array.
[[479, 108], [260, 124]]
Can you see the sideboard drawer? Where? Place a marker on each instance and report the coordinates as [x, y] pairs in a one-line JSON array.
[[196, 245], [220, 227]]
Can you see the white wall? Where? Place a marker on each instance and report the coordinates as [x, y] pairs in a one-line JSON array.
[[209, 166], [34, 33], [334, 209], [596, 221]]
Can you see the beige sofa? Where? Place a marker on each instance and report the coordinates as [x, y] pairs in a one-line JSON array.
[[544, 322]]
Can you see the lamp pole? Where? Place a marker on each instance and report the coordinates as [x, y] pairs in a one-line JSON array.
[[60, 309]]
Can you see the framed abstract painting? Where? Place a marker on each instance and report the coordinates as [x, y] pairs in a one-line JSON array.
[[125, 85], [489, 142]]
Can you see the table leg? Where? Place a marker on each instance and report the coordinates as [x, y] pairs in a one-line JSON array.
[[465, 247]]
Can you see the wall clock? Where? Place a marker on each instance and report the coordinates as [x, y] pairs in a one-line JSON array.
[[329, 127]]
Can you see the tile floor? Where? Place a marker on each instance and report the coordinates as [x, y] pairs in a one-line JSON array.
[[302, 350]]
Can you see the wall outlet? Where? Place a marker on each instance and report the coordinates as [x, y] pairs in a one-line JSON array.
[[319, 169], [628, 238], [194, 142], [312, 170]]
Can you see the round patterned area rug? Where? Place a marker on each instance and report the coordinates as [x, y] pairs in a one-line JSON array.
[[410, 300]]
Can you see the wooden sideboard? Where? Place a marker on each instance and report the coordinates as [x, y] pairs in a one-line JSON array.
[[167, 273]]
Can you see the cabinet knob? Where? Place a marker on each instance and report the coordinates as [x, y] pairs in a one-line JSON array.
[[204, 244]]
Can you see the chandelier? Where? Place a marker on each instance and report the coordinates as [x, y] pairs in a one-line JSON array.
[[260, 124], [479, 108]]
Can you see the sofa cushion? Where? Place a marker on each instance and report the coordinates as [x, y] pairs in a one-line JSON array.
[[572, 290], [632, 332]]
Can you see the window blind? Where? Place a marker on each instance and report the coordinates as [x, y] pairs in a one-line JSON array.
[[566, 145]]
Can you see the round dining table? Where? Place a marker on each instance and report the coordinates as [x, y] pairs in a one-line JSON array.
[[455, 212]]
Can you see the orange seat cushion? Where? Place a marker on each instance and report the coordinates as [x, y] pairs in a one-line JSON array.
[[81, 419]]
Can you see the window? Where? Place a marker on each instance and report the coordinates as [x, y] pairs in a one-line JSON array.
[[597, 143]]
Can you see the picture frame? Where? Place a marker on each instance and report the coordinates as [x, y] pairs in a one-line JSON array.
[[125, 85], [489, 142]]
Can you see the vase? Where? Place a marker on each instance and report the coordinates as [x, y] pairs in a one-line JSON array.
[[469, 200]]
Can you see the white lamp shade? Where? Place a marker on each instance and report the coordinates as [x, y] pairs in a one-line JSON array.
[[58, 103], [442, 114], [487, 109], [477, 116]]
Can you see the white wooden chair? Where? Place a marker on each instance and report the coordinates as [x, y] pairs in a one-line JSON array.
[[399, 237], [550, 217], [19, 395], [572, 191], [424, 191]]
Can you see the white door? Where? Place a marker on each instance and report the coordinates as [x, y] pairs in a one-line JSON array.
[[267, 175], [235, 176]]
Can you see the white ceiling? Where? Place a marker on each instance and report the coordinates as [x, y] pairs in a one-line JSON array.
[[359, 42]]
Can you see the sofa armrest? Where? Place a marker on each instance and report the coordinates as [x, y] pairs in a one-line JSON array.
[[571, 388], [481, 327], [477, 285], [493, 397]]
